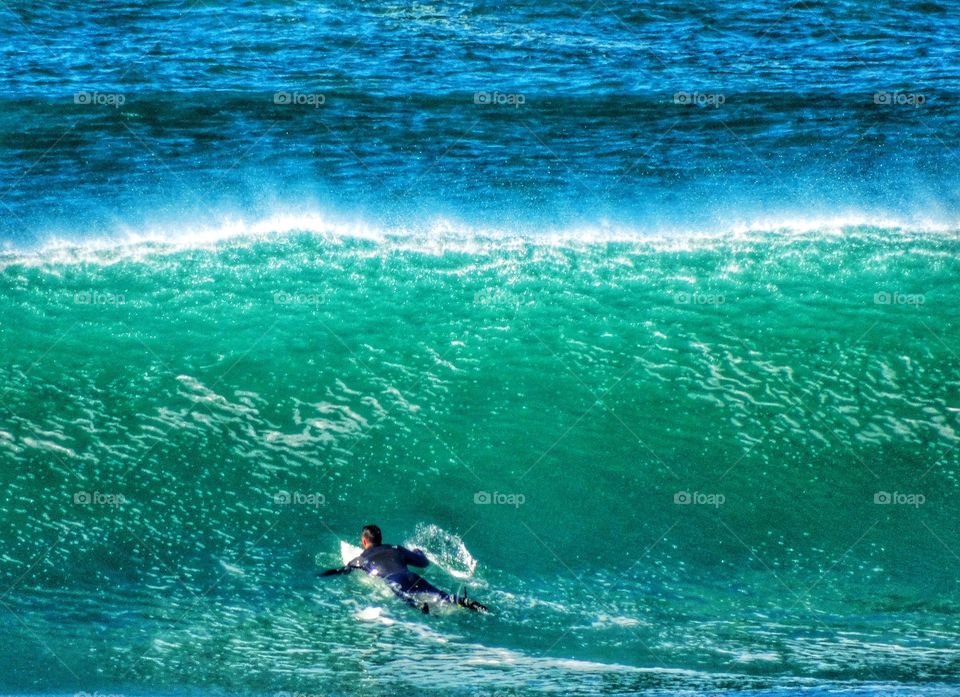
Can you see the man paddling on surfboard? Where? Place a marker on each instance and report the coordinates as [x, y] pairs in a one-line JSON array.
[[390, 563]]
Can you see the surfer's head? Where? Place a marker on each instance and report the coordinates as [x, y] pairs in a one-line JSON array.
[[371, 535]]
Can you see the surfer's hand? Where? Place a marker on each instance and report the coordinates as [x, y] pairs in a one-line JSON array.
[[333, 572]]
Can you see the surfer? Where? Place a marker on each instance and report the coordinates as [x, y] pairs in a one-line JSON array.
[[390, 563]]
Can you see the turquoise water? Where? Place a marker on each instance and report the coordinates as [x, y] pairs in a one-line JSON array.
[[190, 429]]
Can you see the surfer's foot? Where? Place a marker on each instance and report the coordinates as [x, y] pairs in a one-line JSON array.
[[425, 609], [471, 605]]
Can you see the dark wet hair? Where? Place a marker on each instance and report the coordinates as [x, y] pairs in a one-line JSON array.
[[372, 534]]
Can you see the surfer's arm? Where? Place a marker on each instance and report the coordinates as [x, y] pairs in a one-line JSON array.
[[336, 572], [345, 569], [414, 557]]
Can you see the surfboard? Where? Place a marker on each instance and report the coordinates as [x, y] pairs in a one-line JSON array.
[[348, 552]]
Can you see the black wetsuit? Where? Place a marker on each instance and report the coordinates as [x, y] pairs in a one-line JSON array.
[[390, 563]]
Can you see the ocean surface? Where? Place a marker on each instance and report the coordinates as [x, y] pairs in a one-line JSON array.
[[640, 318]]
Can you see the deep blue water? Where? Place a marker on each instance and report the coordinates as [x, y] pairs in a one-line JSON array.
[[786, 110]]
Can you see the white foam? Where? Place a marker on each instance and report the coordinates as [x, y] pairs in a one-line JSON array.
[[445, 550], [439, 235]]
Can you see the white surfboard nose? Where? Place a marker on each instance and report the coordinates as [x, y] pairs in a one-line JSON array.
[[348, 552]]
